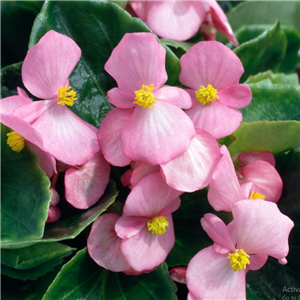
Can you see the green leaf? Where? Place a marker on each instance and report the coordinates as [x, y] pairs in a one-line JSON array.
[[272, 102], [72, 226], [81, 278], [273, 136], [190, 237], [264, 52], [25, 195], [281, 78], [32, 256], [97, 27]]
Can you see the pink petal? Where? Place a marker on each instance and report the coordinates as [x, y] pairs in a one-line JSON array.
[[139, 59], [193, 169], [85, 184], [224, 188], [141, 171], [54, 214], [264, 178], [127, 227], [261, 228], [109, 136], [145, 251], [216, 118], [247, 157], [120, 98], [22, 93], [149, 197], [140, 8], [235, 96], [104, 245], [209, 276], [170, 208], [257, 262], [177, 20], [9, 104], [217, 231], [150, 135], [67, 137], [48, 64], [178, 274], [175, 96], [212, 63]]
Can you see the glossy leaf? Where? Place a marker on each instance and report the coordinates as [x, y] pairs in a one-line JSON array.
[[281, 78], [274, 136], [263, 53], [81, 278], [97, 36], [272, 102], [25, 195]]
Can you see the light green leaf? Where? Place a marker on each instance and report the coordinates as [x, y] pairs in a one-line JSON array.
[[280, 78]]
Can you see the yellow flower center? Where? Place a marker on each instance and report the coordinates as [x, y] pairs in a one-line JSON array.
[[15, 141], [256, 196], [157, 225], [144, 96], [238, 260], [66, 96], [206, 94]]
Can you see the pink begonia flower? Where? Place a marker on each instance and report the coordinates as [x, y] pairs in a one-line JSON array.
[[45, 72], [213, 71], [221, 269], [249, 157], [85, 184], [138, 66], [146, 225], [258, 180], [104, 247], [54, 212], [181, 20], [178, 274]]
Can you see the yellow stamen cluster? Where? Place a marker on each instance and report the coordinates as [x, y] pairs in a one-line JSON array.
[[238, 260], [256, 196], [66, 96], [206, 94], [15, 141], [157, 225], [144, 96]]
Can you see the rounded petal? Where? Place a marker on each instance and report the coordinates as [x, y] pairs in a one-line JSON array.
[[145, 251], [224, 188], [175, 96], [140, 8], [149, 197], [141, 171], [264, 178], [9, 104], [67, 137], [177, 20], [216, 118], [139, 59], [178, 274], [104, 245], [247, 157], [151, 135], [235, 96], [257, 262], [127, 227], [193, 169], [109, 136], [48, 65], [121, 99], [209, 276], [210, 62], [54, 214], [261, 228], [85, 184]]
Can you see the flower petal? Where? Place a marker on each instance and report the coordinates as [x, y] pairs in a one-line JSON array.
[[139, 59], [247, 157], [193, 169], [9, 104], [120, 98], [127, 227], [141, 171], [257, 262], [48, 65], [109, 136], [209, 276], [151, 135]]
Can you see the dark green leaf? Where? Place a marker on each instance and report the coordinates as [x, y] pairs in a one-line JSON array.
[[272, 102], [274, 136], [281, 78], [34, 255], [11, 79], [98, 28], [25, 195], [81, 278], [264, 52]]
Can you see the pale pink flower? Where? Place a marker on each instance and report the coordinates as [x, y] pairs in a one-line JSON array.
[[153, 113], [146, 225], [257, 180], [178, 274], [45, 72], [220, 269], [212, 71]]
